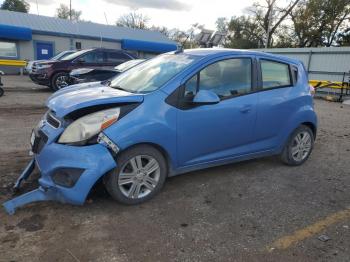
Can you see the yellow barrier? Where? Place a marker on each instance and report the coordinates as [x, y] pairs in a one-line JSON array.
[[329, 84], [19, 63]]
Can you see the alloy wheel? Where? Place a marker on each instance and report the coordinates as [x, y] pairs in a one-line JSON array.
[[61, 82], [139, 176], [301, 146]]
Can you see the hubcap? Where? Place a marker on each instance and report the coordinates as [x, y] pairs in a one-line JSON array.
[[61, 82], [139, 176], [301, 146]]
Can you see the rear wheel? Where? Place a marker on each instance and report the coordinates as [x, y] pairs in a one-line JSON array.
[[59, 81], [140, 175], [299, 146], [1, 92]]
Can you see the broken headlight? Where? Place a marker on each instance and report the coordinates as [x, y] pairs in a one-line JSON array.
[[88, 126]]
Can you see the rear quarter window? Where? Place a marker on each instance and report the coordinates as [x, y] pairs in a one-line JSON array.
[[275, 74]]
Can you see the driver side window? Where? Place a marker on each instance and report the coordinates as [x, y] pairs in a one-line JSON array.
[[226, 78]]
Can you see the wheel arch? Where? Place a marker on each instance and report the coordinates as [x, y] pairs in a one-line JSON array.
[[312, 126]]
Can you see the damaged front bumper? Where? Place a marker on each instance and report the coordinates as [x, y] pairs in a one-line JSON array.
[[67, 173]]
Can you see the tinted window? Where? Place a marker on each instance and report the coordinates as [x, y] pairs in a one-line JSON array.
[[76, 54], [275, 74], [227, 78], [117, 57], [93, 57]]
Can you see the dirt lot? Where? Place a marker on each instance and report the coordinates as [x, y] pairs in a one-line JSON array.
[[257, 210]]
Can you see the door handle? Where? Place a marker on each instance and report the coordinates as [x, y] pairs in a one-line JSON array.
[[246, 109]]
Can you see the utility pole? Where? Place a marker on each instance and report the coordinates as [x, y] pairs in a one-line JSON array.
[[37, 7], [70, 10]]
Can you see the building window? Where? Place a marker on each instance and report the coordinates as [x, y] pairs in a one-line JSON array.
[[8, 49], [78, 45]]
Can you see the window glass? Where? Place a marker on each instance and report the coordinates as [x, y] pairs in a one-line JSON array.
[[153, 73], [93, 57], [274, 74], [76, 54], [226, 78], [8, 49], [116, 57]]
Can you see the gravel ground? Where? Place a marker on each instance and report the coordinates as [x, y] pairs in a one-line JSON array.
[[229, 213]]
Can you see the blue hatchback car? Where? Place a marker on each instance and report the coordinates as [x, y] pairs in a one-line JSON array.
[[178, 112]]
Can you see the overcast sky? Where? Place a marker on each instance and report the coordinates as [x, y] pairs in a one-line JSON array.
[[170, 13]]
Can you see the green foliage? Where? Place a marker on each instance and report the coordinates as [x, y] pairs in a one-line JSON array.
[[244, 32], [303, 23], [64, 13], [318, 23], [15, 5]]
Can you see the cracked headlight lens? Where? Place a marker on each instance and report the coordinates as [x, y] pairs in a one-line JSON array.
[[89, 126]]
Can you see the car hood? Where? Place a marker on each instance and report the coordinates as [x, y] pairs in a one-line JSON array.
[[80, 96]]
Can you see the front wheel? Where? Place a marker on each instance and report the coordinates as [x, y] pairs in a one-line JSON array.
[[299, 146], [1, 92], [140, 175], [59, 81]]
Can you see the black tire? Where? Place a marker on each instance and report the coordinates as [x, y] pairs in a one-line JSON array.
[[1, 92], [54, 81], [111, 179], [287, 154]]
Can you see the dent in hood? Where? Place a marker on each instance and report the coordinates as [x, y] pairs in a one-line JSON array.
[[80, 96]]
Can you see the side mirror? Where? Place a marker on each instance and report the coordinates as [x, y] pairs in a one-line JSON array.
[[206, 97]]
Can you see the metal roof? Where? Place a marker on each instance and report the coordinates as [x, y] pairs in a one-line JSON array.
[[56, 26]]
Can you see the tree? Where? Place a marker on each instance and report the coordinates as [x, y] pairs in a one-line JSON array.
[[319, 23], [161, 29], [271, 15], [222, 24], [15, 5], [133, 20], [244, 32], [343, 38], [65, 13]]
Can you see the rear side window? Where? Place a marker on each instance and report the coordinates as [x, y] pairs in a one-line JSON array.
[[226, 78], [116, 57], [275, 74], [93, 57]]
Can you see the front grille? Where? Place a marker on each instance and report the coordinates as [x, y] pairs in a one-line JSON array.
[[34, 68], [52, 120]]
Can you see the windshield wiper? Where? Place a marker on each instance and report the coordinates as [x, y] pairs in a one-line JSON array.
[[120, 88]]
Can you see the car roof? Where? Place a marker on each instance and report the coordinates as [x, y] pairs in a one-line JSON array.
[[227, 51]]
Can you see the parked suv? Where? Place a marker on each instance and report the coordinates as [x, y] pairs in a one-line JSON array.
[[175, 113], [59, 56], [55, 74]]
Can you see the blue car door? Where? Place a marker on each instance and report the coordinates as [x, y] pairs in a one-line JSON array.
[[218, 131], [278, 100]]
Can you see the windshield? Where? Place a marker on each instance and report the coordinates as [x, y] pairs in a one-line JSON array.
[[152, 74], [127, 65], [61, 55], [75, 55]]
